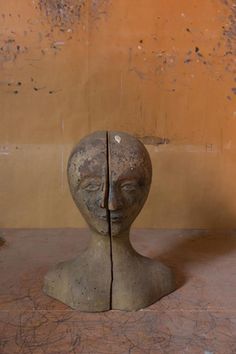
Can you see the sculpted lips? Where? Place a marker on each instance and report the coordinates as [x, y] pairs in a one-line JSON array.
[[103, 217], [113, 218], [116, 218]]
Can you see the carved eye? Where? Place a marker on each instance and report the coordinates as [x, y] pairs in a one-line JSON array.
[[90, 185], [129, 187]]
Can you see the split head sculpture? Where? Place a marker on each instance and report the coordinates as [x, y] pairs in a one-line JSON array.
[[109, 175]]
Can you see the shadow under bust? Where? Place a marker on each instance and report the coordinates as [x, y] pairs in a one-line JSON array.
[[109, 175]]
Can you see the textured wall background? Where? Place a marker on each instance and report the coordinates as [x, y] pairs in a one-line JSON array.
[[164, 70]]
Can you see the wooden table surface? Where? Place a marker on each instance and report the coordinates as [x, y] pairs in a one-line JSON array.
[[199, 317]]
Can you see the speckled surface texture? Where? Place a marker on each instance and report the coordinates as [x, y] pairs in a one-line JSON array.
[[199, 317]]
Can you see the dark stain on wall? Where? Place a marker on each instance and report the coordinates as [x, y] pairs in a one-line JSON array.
[[10, 50]]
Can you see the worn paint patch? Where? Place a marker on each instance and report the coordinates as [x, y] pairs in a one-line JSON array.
[[146, 65], [10, 49], [66, 13], [229, 35], [229, 30], [56, 24], [63, 13], [99, 8]]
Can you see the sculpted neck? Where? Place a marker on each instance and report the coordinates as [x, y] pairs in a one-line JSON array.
[[97, 240], [120, 243], [121, 246]]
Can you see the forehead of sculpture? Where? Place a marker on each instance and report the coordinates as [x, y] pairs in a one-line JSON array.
[[121, 153], [89, 158], [90, 146], [127, 155]]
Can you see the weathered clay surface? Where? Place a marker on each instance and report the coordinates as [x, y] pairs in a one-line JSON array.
[[130, 174], [109, 174], [85, 282], [137, 280]]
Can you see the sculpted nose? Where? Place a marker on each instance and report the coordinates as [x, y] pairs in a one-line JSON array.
[[104, 197], [114, 202]]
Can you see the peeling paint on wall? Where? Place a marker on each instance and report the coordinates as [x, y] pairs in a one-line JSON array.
[[229, 30], [99, 9], [66, 13], [229, 34], [154, 65], [10, 49], [63, 13], [54, 24]]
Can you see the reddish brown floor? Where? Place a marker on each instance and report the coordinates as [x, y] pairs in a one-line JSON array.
[[199, 317]]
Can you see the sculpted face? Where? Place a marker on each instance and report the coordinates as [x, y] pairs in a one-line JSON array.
[[130, 175], [88, 180], [109, 175]]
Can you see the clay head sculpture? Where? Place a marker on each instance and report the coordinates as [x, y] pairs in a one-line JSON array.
[[109, 175]]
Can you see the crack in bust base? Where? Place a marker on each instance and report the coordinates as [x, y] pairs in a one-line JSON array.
[[109, 175]]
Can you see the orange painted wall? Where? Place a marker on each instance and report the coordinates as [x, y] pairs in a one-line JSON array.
[[165, 69]]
